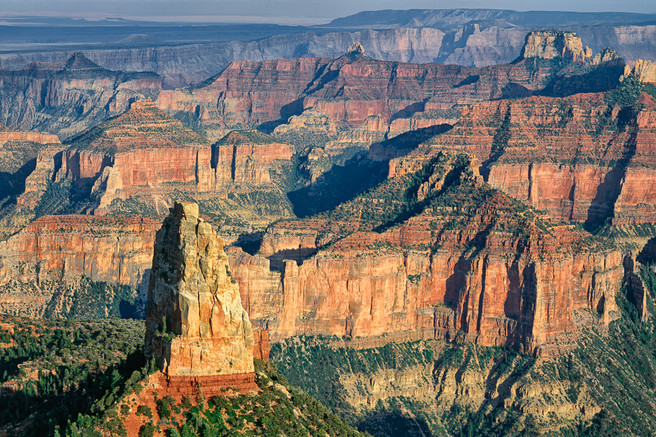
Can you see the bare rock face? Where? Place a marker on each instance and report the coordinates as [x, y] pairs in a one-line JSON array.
[[355, 87], [195, 324], [464, 261], [643, 70], [551, 44], [67, 97]]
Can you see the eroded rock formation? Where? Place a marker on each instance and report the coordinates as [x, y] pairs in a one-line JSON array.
[[354, 87], [643, 70], [583, 158], [195, 325], [67, 97], [458, 259]]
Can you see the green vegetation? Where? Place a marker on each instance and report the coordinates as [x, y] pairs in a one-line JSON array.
[[71, 378], [277, 409], [64, 371], [250, 136], [628, 92], [607, 381], [446, 192]]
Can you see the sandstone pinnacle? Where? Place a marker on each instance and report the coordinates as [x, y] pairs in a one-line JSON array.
[[195, 323]]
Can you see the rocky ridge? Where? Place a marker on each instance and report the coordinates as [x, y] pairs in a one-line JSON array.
[[357, 89], [138, 162], [67, 97], [584, 158], [465, 37], [454, 258]]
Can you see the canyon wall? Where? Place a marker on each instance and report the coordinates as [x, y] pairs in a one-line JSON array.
[[496, 277], [145, 155], [64, 98], [577, 158], [479, 43], [355, 87]]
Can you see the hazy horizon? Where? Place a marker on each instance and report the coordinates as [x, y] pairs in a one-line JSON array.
[[282, 11]]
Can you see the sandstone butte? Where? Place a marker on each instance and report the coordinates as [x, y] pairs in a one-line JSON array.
[[643, 70], [69, 96], [196, 328], [145, 152], [357, 89]]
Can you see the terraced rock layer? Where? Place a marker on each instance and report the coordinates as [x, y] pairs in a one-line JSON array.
[[581, 158], [66, 97], [355, 87], [436, 253]]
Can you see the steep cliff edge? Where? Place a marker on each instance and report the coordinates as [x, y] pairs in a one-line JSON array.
[[587, 157], [19, 153], [355, 87], [142, 160], [76, 266], [195, 324], [67, 97], [432, 252]]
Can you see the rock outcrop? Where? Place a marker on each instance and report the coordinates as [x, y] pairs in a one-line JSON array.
[[248, 157], [581, 158], [19, 153], [551, 44], [453, 261], [644, 71], [67, 97], [195, 325], [355, 87]]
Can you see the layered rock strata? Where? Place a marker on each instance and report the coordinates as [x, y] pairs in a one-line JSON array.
[[472, 264], [355, 87], [581, 158], [43, 266], [116, 250], [196, 326], [148, 157], [67, 97]]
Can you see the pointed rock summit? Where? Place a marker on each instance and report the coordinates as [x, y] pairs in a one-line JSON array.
[[552, 44], [195, 323], [356, 52], [78, 61]]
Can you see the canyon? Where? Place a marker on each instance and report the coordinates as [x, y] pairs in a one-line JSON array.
[[69, 96], [471, 38], [507, 276], [358, 90]]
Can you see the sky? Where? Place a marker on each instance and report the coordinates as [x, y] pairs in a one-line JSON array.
[[303, 11]]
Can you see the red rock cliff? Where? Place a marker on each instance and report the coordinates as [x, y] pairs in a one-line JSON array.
[[493, 275], [576, 157], [354, 87]]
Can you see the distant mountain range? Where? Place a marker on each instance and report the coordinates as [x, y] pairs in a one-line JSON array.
[[186, 53]]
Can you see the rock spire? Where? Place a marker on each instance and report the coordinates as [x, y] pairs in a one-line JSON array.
[[195, 323]]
